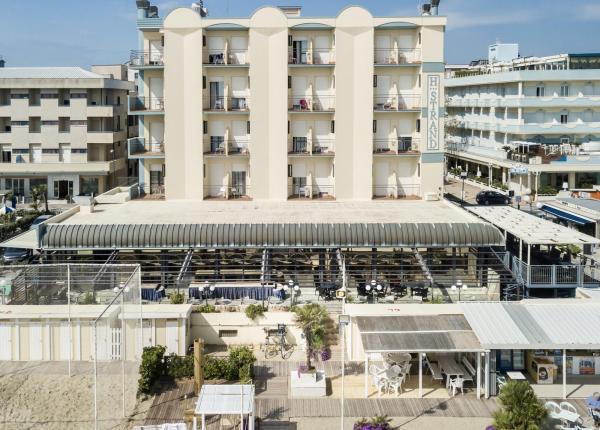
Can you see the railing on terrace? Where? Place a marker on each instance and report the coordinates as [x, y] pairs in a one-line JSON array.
[[217, 145], [227, 104], [227, 192], [555, 275], [226, 57], [138, 146], [311, 147], [388, 191], [396, 103], [147, 58], [400, 145], [311, 191], [315, 56], [397, 55], [304, 103], [155, 104]]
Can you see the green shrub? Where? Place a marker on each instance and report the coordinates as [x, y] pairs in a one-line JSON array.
[[216, 368], [254, 311], [179, 367], [521, 408], [177, 298], [151, 368], [239, 365], [206, 309], [547, 189], [87, 299]]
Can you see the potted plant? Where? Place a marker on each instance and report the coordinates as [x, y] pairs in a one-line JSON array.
[[521, 408], [316, 326], [379, 422]]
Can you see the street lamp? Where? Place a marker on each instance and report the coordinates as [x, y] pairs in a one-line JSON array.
[[459, 286], [373, 288], [463, 176], [343, 320]]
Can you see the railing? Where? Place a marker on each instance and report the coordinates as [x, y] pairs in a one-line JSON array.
[[311, 147], [568, 275], [226, 147], [383, 191], [155, 104], [227, 192], [311, 191], [147, 58], [313, 56], [397, 55], [397, 103], [138, 146], [226, 57], [400, 145], [230, 104], [303, 103]]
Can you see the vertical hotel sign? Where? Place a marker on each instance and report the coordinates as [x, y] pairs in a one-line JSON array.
[[433, 108]]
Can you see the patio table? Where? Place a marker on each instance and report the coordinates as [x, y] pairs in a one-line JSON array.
[[451, 368], [516, 376]]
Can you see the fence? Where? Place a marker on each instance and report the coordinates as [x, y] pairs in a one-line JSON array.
[[557, 276]]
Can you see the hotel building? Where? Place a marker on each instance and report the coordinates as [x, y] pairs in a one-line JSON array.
[[63, 127], [528, 124], [279, 106]]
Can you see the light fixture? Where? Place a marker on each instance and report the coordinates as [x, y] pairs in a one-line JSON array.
[[127, 289], [453, 287], [379, 287], [464, 287], [368, 288], [373, 282], [212, 288], [296, 287], [116, 289], [290, 283], [285, 287]]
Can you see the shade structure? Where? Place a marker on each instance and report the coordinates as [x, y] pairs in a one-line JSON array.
[[271, 235], [225, 400]]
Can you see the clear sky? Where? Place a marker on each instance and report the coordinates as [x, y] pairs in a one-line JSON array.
[[85, 32]]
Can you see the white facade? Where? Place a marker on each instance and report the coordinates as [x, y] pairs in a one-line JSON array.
[[63, 127], [290, 107], [540, 115]]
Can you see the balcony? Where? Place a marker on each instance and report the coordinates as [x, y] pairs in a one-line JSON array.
[[407, 145], [307, 189], [227, 192], [226, 57], [138, 148], [301, 146], [146, 105], [312, 57], [219, 146], [396, 191], [307, 104], [397, 103], [146, 59], [556, 275], [397, 56], [226, 104]]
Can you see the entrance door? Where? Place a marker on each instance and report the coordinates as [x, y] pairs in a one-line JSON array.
[[299, 48], [157, 180], [63, 188], [299, 92], [156, 93], [217, 96], [156, 52], [172, 337], [5, 341], [157, 133], [382, 49], [238, 183], [35, 342]]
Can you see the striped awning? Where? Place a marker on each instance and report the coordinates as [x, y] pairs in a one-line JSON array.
[[312, 235]]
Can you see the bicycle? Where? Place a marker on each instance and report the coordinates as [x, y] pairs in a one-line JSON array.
[[275, 342]]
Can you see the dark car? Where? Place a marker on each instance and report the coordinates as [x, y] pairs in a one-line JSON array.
[[12, 255], [492, 198]]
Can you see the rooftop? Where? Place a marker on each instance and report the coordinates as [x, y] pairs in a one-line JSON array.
[[58, 77], [47, 73]]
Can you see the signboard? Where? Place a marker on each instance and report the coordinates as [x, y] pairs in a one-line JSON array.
[[518, 170], [433, 107]]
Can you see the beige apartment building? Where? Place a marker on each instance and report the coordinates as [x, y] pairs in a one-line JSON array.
[[278, 106], [63, 127]]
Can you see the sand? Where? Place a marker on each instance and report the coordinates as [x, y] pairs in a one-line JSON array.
[[42, 395]]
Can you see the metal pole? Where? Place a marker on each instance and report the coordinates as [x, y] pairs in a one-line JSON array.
[[366, 375], [564, 374], [342, 327], [69, 316], [478, 375], [95, 376], [123, 346], [420, 374], [486, 375]]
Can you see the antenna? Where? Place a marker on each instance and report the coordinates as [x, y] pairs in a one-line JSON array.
[[198, 6]]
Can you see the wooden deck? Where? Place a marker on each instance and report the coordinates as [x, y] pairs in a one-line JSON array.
[[169, 406]]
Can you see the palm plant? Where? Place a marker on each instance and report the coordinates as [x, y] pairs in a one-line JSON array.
[[316, 325], [521, 408]]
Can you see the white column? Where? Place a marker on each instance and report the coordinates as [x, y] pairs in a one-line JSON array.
[[420, 374], [564, 372], [195, 423], [486, 375], [203, 422], [366, 375], [478, 375]]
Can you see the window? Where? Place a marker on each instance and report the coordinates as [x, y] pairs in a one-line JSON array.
[[418, 125], [78, 151], [89, 186], [205, 127], [248, 127], [539, 91], [289, 82], [203, 82], [19, 96], [49, 122], [290, 40], [503, 92], [49, 151], [419, 38], [19, 123], [74, 122], [564, 90], [564, 118], [228, 333], [419, 81], [78, 96], [290, 171], [17, 185], [49, 95], [6, 155], [288, 127]]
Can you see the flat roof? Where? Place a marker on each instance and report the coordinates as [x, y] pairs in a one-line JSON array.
[[149, 311], [225, 399], [529, 228]]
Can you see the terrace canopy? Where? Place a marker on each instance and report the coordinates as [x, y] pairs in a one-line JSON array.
[[226, 400]]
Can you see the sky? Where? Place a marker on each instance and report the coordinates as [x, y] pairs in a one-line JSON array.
[[86, 32]]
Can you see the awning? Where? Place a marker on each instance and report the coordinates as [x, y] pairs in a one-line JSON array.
[[568, 216], [225, 400], [311, 235]]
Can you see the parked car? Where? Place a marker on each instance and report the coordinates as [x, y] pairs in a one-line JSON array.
[[38, 221], [492, 198], [12, 255]]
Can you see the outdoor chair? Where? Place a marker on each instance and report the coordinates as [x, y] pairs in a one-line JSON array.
[[554, 410], [304, 104], [406, 370], [457, 384], [396, 384], [566, 406]]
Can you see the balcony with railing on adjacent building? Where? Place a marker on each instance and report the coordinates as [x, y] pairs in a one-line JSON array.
[[137, 147], [227, 104], [226, 57], [303, 188], [303, 146], [308, 103], [397, 103], [401, 145], [146, 105], [146, 59], [312, 57], [397, 56], [396, 190], [220, 146], [239, 191]]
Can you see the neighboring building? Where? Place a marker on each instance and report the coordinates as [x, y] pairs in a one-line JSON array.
[[538, 118], [502, 52], [64, 127], [277, 106]]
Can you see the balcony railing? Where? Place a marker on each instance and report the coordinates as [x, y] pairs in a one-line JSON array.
[[138, 147], [146, 58], [556, 276], [227, 192], [397, 103], [315, 56], [397, 56], [319, 103], [220, 146], [399, 145], [151, 104], [299, 146], [227, 104], [312, 191], [397, 191], [226, 57]]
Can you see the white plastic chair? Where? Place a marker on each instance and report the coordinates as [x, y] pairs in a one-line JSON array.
[[406, 370], [554, 410], [396, 384], [566, 406], [457, 384]]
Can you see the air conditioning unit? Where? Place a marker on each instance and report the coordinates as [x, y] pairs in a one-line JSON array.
[[431, 197]]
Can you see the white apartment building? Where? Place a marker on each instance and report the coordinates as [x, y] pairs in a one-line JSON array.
[[531, 124], [63, 127], [279, 106]]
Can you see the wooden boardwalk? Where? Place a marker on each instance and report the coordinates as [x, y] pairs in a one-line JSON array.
[[169, 406]]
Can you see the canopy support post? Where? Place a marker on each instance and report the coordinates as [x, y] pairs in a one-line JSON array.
[[366, 375], [564, 374], [420, 374], [487, 375], [478, 375], [203, 422]]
